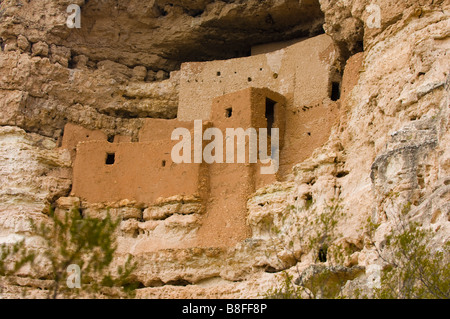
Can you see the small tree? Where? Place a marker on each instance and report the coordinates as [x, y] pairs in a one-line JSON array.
[[12, 258], [413, 269], [316, 233], [286, 290], [86, 244]]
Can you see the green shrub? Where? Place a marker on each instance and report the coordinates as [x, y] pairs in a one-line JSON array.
[[414, 270], [88, 243]]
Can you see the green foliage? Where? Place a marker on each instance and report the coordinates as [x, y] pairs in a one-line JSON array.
[[316, 233], [413, 270], [321, 240], [308, 203], [406, 208], [13, 257], [89, 243], [371, 227], [287, 289], [124, 273]]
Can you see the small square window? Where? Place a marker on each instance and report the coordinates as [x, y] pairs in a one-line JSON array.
[[228, 112], [110, 158]]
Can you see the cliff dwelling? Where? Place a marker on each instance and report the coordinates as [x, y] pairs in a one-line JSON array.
[[288, 86], [243, 148]]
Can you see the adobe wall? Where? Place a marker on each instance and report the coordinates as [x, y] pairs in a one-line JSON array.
[[350, 77], [160, 129], [301, 72], [73, 134], [301, 130], [225, 220], [249, 108], [307, 129], [138, 172], [230, 184], [142, 171]]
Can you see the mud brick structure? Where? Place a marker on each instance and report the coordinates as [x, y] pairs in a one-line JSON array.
[[360, 90], [290, 89]]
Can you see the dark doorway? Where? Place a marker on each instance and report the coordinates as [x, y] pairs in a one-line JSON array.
[[335, 91], [270, 114], [229, 112], [323, 254], [110, 158]]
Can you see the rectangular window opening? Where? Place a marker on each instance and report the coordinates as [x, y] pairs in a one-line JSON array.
[[335, 91], [110, 158], [270, 114], [229, 112]]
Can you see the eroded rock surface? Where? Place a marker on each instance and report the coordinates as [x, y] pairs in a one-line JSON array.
[[389, 152]]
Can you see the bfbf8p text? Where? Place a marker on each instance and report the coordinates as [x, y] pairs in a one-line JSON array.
[[237, 308]]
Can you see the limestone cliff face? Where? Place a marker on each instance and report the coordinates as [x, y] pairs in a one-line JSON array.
[[390, 148]]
